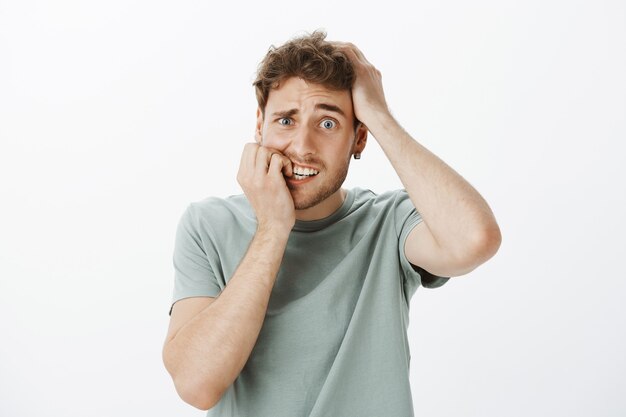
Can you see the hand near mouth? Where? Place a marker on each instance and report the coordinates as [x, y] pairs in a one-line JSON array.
[[262, 173]]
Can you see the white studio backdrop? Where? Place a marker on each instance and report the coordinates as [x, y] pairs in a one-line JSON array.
[[115, 115]]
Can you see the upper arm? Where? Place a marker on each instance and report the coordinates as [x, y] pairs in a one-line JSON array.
[[421, 249], [183, 311]]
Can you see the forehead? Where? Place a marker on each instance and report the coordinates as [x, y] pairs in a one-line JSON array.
[[295, 93]]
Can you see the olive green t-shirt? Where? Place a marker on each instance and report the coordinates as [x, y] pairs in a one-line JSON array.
[[334, 339]]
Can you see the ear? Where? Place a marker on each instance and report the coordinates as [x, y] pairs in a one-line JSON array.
[[258, 132], [360, 138]]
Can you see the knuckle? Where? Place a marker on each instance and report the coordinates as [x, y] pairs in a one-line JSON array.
[[250, 147], [263, 152]]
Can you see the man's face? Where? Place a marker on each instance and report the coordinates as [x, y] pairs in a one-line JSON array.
[[313, 127]]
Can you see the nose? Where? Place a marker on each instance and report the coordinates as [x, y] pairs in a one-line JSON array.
[[303, 141]]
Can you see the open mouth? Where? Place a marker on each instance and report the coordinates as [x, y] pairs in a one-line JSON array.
[[300, 173]]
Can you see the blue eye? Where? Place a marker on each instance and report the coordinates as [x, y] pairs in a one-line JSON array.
[[328, 124], [284, 121]]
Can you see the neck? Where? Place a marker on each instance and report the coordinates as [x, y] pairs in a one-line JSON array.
[[323, 209]]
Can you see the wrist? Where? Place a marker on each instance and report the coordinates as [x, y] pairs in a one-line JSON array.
[[275, 228], [378, 121]]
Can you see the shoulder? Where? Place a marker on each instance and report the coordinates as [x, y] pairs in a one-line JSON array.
[[390, 207], [216, 206], [217, 212], [388, 200]]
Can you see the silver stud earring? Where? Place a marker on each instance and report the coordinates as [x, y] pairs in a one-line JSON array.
[[357, 156]]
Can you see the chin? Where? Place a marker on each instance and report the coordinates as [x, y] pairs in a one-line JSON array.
[[305, 200], [306, 203]]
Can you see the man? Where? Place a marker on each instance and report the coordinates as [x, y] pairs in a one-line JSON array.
[[292, 299]]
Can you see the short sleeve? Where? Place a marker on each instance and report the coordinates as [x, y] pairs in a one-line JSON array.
[[407, 217], [193, 275]]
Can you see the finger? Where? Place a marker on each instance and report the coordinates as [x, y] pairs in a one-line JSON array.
[[352, 47], [359, 53], [286, 165], [277, 163], [264, 157], [248, 156], [352, 51], [357, 56], [262, 163]]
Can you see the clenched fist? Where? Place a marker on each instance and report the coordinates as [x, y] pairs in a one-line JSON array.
[[261, 176]]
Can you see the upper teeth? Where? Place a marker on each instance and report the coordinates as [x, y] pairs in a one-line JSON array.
[[304, 171]]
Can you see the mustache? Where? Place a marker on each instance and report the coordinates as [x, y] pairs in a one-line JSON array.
[[305, 160]]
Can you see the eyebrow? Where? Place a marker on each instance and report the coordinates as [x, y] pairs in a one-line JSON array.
[[319, 106], [330, 107], [285, 113]]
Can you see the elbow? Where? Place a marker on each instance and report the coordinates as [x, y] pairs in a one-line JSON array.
[[193, 390], [492, 239], [197, 395], [487, 243], [479, 250]]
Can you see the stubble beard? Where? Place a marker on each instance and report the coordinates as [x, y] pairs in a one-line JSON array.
[[323, 192]]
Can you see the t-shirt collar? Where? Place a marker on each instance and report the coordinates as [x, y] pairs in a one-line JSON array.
[[315, 225]]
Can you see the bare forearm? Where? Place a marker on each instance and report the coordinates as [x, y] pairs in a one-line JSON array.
[[209, 352], [456, 214]]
